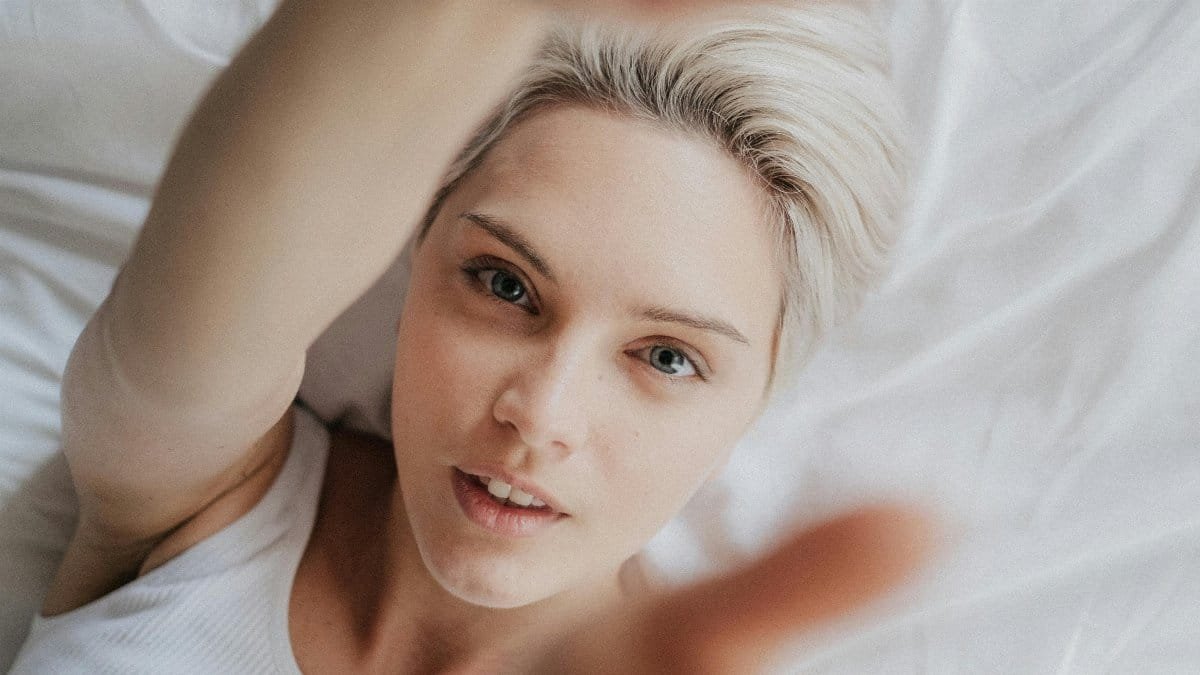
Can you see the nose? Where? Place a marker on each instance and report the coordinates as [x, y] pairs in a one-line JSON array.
[[543, 401]]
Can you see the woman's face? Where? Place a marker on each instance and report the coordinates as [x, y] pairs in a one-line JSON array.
[[592, 317]]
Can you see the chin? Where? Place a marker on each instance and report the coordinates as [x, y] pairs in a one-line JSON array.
[[491, 583]]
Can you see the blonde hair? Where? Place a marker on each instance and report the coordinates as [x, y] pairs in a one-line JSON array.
[[799, 94]]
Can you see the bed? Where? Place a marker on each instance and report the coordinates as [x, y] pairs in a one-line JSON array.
[[1030, 371]]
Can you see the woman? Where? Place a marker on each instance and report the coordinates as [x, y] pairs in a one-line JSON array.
[[615, 275]]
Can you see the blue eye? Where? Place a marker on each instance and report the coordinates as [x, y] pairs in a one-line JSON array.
[[505, 286], [671, 361]]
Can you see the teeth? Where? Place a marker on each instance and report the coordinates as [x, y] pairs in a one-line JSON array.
[[498, 488], [520, 497], [507, 494]]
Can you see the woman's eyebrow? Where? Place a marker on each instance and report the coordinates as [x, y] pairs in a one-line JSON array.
[[508, 236], [702, 322]]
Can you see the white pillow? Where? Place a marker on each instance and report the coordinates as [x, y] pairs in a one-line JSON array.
[[348, 375]]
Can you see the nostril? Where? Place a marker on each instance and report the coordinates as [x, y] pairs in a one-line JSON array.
[[540, 408]]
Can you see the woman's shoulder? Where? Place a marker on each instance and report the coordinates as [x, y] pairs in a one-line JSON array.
[[152, 618], [232, 505], [92, 569]]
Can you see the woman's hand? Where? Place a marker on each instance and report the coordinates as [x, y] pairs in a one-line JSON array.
[[731, 624]]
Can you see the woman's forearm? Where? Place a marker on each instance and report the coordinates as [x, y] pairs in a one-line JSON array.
[[297, 181]]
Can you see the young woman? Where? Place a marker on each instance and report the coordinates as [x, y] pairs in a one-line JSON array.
[[631, 254]]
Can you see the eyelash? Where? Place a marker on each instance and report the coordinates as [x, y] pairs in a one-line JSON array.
[[476, 266], [701, 372]]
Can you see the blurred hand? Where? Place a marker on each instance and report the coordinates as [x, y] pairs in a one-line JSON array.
[[732, 624]]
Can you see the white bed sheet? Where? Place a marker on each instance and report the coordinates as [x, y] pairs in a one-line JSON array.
[[1031, 370]]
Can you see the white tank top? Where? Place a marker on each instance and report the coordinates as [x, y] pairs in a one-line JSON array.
[[221, 606]]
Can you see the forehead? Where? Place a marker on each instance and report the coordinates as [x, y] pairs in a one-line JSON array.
[[655, 215]]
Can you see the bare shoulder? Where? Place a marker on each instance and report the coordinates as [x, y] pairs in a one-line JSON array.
[[94, 565]]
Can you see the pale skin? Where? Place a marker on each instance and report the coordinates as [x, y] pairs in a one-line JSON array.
[[613, 357]]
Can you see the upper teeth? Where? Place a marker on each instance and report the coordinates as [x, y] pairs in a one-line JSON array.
[[501, 490]]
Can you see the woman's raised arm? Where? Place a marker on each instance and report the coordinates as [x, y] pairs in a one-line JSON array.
[[296, 182]]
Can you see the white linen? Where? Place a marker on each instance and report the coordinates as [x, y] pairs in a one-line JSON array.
[[1030, 369]]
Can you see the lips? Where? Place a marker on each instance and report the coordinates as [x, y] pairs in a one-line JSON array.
[[486, 474], [497, 516]]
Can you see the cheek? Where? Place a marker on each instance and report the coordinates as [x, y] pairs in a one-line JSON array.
[[443, 370], [655, 466]]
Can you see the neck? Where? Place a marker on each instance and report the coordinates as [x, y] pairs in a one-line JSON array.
[[403, 619], [442, 627]]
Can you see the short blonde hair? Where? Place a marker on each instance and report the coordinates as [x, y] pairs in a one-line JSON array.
[[798, 93]]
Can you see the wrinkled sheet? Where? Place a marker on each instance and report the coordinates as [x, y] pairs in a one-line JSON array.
[[1030, 371]]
